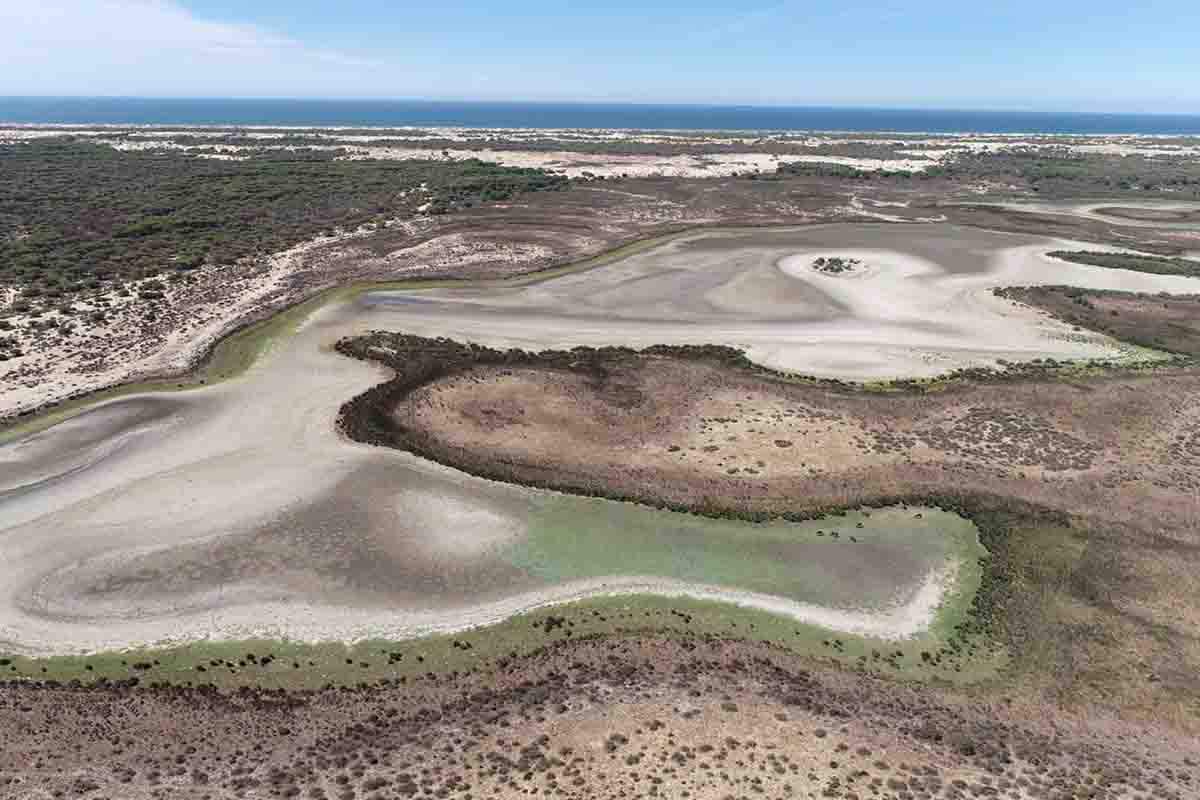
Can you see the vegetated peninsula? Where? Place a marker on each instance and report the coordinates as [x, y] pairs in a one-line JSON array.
[[1157, 265]]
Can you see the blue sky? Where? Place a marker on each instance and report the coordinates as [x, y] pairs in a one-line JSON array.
[[1050, 55]]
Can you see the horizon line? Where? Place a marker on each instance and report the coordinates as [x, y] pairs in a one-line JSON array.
[[618, 103]]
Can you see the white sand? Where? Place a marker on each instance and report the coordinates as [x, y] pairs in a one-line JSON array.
[[116, 351]]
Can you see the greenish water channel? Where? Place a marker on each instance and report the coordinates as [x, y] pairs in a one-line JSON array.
[[574, 538], [861, 560]]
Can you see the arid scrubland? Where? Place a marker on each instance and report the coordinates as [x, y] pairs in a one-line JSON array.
[[231, 591]]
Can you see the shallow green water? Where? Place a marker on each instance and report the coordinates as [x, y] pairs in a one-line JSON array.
[[575, 538]]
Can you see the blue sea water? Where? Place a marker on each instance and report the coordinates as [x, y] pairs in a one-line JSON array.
[[383, 113]]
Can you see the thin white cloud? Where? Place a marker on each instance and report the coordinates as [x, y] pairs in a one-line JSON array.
[[154, 46]]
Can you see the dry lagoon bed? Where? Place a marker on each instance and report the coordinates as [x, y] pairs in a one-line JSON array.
[[237, 510]]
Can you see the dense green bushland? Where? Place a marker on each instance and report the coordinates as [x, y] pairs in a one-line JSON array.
[[814, 169], [1055, 172], [1065, 172], [75, 215]]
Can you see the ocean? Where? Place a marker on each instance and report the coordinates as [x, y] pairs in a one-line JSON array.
[[399, 113]]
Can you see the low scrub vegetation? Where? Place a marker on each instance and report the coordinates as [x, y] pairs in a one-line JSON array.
[[1052, 172], [835, 265], [1170, 323], [817, 169], [78, 216], [1061, 172], [1050, 507]]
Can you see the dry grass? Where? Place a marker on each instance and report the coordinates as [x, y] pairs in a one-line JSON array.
[[1163, 322], [680, 430], [587, 719], [1086, 487]]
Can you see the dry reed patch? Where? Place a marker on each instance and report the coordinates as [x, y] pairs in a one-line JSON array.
[[687, 419], [631, 716], [676, 428], [1160, 321], [1109, 621]]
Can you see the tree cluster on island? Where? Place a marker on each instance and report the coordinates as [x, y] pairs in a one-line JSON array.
[[835, 265]]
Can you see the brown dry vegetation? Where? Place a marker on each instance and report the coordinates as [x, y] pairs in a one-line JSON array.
[[1163, 322], [1081, 487], [636, 717]]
